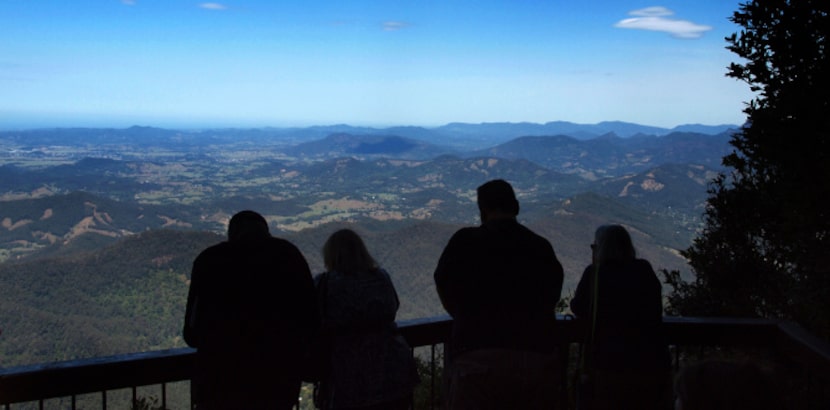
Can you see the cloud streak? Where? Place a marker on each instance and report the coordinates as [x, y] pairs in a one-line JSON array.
[[213, 6], [658, 19], [394, 25]]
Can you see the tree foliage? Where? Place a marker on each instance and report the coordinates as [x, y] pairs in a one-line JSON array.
[[764, 247]]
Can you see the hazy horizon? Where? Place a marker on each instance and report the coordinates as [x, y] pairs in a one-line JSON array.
[[196, 127]]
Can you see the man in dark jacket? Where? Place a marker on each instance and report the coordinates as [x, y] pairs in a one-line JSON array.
[[251, 310], [500, 282]]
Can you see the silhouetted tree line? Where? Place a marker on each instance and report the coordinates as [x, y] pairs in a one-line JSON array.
[[764, 248]]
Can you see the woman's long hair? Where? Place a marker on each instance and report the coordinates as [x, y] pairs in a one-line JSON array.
[[345, 252], [613, 243]]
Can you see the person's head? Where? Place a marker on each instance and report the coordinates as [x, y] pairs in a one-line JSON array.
[[496, 199], [345, 252], [247, 224], [612, 243], [721, 385]]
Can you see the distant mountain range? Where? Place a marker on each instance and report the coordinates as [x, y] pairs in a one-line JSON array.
[[462, 136]]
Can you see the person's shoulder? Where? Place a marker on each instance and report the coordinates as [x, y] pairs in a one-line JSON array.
[[541, 239], [468, 230], [643, 265], [532, 235], [647, 271], [214, 250], [637, 272], [320, 278], [218, 247], [588, 270], [281, 243], [466, 233], [383, 274]]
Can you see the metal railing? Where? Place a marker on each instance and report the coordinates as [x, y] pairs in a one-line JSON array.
[[793, 347]]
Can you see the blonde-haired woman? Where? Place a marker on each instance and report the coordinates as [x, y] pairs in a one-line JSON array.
[[626, 359], [371, 365]]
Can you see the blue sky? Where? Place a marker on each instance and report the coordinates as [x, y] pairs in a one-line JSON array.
[[253, 63]]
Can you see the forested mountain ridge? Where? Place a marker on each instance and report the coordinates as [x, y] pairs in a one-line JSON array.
[[117, 299], [298, 196], [130, 295], [612, 156], [80, 220]]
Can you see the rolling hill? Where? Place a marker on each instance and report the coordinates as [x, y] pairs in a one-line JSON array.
[[130, 295], [612, 156]]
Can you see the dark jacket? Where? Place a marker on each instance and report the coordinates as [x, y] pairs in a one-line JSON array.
[[500, 282], [251, 310], [371, 363], [628, 331]]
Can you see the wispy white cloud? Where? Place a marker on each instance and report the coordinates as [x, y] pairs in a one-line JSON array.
[[657, 19], [128, 2], [394, 25], [654, 11], [213, 6]]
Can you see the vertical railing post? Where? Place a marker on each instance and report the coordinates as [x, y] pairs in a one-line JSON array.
[[432, 377], [164, 396], [445, 375]]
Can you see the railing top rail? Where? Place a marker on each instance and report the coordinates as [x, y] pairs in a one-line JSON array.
[[803, 347], [60, 379]]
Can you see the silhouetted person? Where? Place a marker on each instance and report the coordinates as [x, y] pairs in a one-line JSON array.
[[500, 282], [251, 310], [627, 362], [371, 364], [725, 385]]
